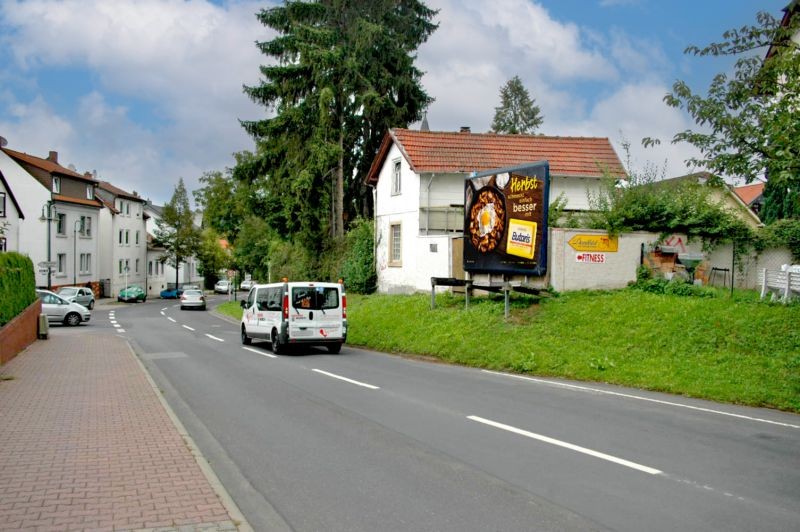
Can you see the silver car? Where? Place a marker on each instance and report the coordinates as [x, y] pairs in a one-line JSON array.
[[78, 294], [193, 299], [59, 310]]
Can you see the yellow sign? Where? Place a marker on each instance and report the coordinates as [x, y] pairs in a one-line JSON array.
[[597, 243]]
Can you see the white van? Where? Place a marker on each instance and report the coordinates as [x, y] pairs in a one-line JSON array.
[[296, 313]]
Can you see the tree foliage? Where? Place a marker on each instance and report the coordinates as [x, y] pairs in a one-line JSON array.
[[340, 74], [517, 113], [176, 231], [213, 258], [751, 120]]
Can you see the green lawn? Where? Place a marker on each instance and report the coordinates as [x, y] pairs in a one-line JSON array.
[[733, 350]]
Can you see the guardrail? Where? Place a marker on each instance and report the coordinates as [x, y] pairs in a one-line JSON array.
[[780, 284]]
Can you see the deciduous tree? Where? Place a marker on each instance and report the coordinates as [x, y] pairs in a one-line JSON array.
[[176, 231]]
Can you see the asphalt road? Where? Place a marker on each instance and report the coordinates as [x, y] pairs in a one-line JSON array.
[[368, 441]]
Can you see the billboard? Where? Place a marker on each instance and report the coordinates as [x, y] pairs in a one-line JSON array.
[[505, 220]]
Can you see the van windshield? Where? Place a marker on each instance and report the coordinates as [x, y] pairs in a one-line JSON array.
[[315, 297]]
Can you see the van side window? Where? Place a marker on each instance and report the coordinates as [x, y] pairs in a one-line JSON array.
[[262, 300], [251, 297]]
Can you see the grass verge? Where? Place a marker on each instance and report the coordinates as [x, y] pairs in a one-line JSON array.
[[231, 308], [735, 350]]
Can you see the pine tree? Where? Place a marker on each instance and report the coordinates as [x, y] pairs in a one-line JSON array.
[[517, 113], [341, 73]]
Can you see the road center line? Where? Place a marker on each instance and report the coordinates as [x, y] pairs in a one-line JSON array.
[[165, 308], [215, 338], [256, 351], [162, 313], [570, 446], [641, 398], [187, 327], [171, 319], [351, 381]]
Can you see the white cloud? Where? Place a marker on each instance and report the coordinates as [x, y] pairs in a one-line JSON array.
[[185, 61]]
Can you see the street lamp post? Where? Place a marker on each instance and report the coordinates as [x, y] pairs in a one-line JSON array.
[[75, 252], [49, 214]]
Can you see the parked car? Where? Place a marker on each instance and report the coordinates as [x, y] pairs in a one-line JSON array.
[[171, 293], [247, 284], [190, 287], [59, 310], [222, 287], [78, 294], [132, 293], [193, 299]]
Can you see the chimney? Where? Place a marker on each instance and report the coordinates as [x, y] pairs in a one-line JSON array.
[[53, 157], [465, 129]]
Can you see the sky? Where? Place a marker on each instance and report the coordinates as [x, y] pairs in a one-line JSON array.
[[145, 92]]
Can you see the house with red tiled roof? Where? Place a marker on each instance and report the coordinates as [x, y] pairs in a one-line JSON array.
[[123, 256], [60, 218], [418, 178], [751, 195]]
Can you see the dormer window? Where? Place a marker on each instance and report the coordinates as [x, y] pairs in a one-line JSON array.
[[56, 185], [89, 191]]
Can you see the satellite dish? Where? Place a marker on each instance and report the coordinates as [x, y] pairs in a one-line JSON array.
[[3, 142]]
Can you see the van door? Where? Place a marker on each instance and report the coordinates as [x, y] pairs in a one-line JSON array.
[[316, 312]]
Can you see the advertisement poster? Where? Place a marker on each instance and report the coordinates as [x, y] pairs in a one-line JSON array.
[[505, 220]]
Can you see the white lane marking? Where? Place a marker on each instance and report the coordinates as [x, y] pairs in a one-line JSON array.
[[120, 330], [351, 381], [163, 313], [116, 325], [112, 321], [165, 308], [640, 398], [214, 337], [570, 446], [171, 319], [187, 327], [256, 351]]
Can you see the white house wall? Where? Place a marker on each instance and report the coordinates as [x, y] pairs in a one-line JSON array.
[[72, 244], [575, 190], [11, 220]]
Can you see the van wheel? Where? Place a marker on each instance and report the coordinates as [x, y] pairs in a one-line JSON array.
[[334, 348], [72, 319], [245, 339], [277, 348]]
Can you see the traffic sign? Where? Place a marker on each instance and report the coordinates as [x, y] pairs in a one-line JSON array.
[[47, 264]]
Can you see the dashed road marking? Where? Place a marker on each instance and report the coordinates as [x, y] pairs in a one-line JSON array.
[[187, 327], [351, 381], [213, 337]]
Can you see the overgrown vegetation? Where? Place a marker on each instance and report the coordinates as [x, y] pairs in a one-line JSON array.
[[17, 285]]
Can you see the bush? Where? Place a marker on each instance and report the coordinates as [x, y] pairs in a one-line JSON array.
[[17, 285], [358, 267]]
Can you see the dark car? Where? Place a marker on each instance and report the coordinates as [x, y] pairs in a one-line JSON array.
[[171, 293], [132, 293]]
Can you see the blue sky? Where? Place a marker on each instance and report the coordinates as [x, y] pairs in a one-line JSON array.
[[147, 91]]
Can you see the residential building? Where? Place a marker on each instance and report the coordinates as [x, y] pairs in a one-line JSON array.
[[58, 219], [123, 233], [752, 195], [418, 192], [11, 214]]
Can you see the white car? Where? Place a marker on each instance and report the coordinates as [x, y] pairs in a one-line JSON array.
[[247, 284], [59, 310], [78, 294], [222, 286]]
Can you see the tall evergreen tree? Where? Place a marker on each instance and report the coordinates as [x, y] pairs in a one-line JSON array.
[[341, 73], [176, 230], [517, 113]]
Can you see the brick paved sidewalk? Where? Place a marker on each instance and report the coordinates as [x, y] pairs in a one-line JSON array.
[[86, 444]]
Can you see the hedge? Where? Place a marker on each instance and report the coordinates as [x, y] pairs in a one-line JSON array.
[[17, 285]]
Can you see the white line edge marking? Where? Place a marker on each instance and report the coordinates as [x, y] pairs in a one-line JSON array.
[[351, 381], [215, 338], [116, 325], [640, 398], [187, 327], [256, 351], [570, 446], [120, 330], [171, 319]]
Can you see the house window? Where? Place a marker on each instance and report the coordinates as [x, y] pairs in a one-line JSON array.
[[396, 178], [2, 204], [89, 192], [395, 245], [128, 208], [127, 237], [61, 223], [121, 265], [3, 243], [57, 185], [120, 237], [86, 263], [137, 266], [137, 238], [86, 225], [62, 264], [150, 267]]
